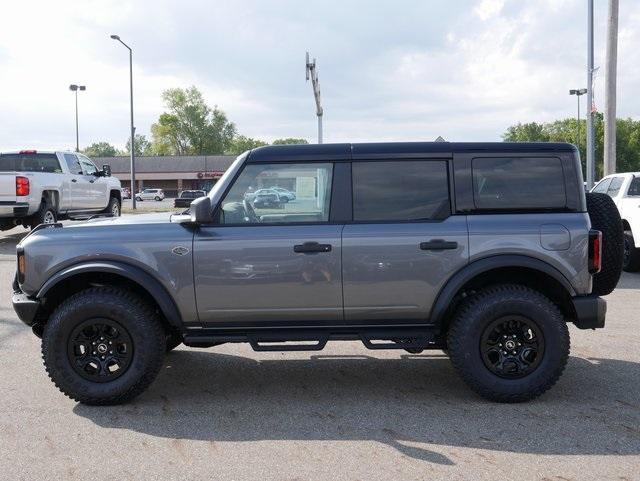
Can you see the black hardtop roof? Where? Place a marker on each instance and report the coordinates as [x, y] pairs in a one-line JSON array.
[[411, 149]]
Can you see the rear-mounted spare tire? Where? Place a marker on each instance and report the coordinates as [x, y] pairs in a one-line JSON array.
[[606, 218]]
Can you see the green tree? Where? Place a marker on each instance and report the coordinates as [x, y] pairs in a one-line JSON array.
[[190, 126], [566, 130], [290, 141], [142, 146], [241, 144], [101, 149]]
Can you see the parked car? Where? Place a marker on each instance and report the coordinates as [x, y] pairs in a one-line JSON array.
[[285, 195], [483, 250], [42, 187], [187, 196], [266, 198], [126, 193], [624, 189], [150, 194]]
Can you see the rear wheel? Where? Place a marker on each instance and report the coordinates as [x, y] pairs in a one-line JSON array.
[[509, 343], [631, 262], [103, 346], [605, 217], [46, 215]]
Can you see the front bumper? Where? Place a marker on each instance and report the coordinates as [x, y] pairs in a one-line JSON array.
[[26, 308], [590, 312]]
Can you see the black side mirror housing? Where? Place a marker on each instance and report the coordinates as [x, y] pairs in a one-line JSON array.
[[106, 170], [201, 212]]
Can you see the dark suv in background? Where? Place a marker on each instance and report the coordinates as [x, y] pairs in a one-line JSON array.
[[484, 250]]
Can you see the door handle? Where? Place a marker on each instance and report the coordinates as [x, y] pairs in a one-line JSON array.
[[74, 180], [311, 247], [438, 245]]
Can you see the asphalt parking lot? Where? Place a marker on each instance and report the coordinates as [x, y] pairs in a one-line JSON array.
[[343, 414]]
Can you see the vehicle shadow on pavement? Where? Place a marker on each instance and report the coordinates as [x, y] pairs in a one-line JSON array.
[[405, 403]]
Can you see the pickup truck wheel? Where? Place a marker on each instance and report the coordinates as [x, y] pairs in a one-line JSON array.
[[631, 262], [46, 215], [605, 217], [103, 346], [114, 207], [509, 343]]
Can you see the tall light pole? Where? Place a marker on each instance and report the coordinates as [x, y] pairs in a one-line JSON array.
[[611, 64], [312, 73], [578, 93], [133, 129], [591, 172], [75, 88]]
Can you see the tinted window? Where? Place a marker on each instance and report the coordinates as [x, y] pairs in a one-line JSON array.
[[634, 188], [87, 166], [73, 163], [614, 186], [251, 200], [400, 190], [518, 183], [602, 186], [29, 163]]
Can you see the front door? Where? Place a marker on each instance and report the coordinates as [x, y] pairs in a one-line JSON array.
[[97, 187], [403, 244], [277, 262], [78, 183]]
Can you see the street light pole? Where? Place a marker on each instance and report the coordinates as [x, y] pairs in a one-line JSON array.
[[312, 73], [133, 129], [578, 93], [74, 88], [590, 143]]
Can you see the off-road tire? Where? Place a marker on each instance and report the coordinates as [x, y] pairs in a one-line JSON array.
[[631, 261], [606, 218], [478, 312], [173, 341], [131, 312], [113, 202], [45, 214]]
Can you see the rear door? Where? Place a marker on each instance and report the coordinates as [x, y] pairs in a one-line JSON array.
[[79, 185], [97, 188], [403, 243]]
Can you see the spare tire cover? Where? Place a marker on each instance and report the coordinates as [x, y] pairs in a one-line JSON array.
[[606, 218]]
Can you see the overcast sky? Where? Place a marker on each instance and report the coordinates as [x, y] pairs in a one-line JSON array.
[[389, 70]]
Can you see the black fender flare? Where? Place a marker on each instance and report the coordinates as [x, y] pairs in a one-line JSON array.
[[143, 279], [467, 273]]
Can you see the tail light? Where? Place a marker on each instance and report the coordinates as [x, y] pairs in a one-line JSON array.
[[22, 185], [595, 251]]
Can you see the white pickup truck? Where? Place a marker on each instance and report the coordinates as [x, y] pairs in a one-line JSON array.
[[624, 189], [41, 187]]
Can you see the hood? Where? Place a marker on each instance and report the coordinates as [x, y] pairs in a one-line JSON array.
[[130, 219]]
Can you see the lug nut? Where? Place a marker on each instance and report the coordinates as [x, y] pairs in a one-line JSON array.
[[94, 352], [519, 344], [504, 352], [514, 353]]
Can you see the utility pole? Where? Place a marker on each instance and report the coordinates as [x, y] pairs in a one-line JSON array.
[[590, 143], [312, 73], [611, 63]]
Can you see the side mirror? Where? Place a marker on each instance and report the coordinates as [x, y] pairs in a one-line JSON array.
[[106, 170], [200, 210]]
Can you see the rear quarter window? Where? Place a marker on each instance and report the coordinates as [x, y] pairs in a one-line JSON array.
[[518, 183]]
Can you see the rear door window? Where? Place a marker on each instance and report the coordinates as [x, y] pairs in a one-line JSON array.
[[405, 190], [29, 163], [73, 163], [518, 183], [634, 187], [614, 186]]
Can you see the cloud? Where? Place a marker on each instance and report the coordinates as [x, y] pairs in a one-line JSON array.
[[402, 70]]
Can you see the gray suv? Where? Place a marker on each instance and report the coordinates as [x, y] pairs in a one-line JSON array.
[[484, 250]]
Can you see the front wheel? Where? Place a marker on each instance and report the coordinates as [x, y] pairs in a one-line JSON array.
[[103, 346], [114, 207], [631, 259], [158, 199], [509, 343]]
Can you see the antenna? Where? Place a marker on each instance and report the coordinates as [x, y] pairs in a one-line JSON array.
[[312, 73]]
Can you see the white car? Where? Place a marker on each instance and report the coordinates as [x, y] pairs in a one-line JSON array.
[[38, 187], [285, 195], [624, 189], [150, 194]]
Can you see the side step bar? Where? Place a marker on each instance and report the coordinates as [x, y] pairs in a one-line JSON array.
[[284, 339]]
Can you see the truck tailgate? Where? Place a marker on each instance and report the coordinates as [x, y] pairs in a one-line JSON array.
[[7, 187]]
